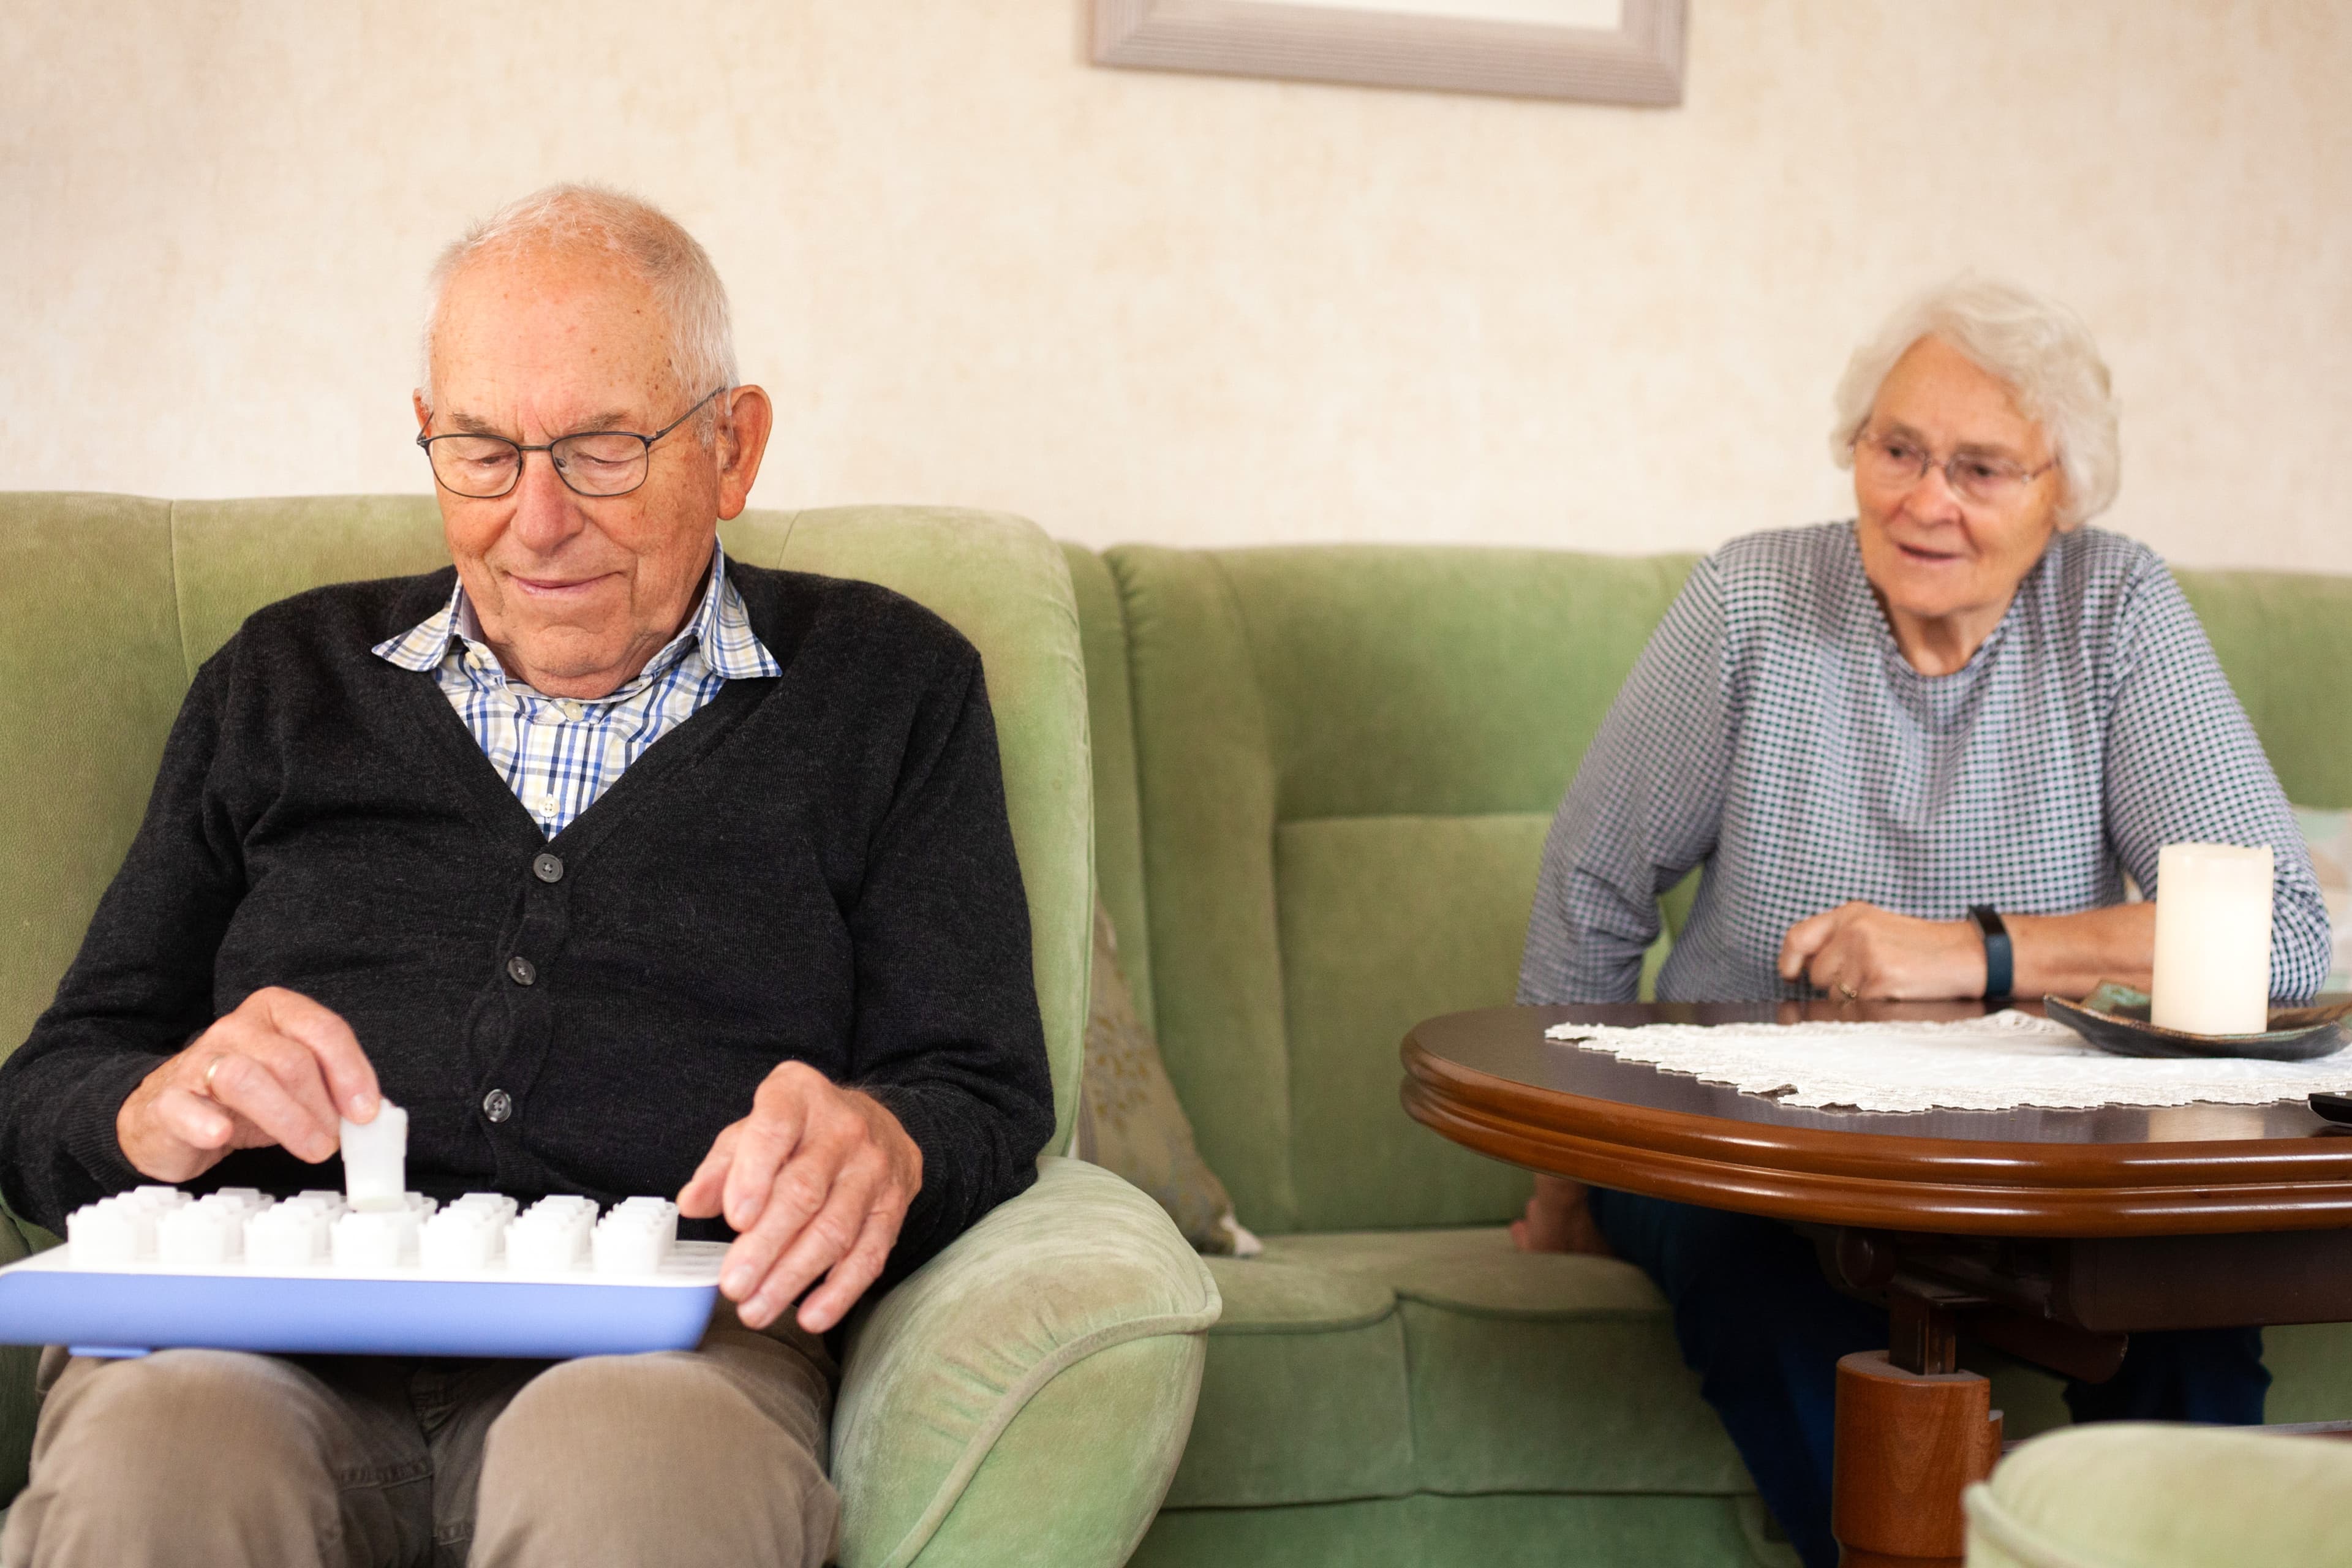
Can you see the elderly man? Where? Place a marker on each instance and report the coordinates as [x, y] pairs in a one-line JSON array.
[[623, 867]]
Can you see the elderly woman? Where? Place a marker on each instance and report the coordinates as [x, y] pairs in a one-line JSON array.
[[1890, 743]]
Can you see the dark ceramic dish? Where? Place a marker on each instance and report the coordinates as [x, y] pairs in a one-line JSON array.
[[2115, 1018]]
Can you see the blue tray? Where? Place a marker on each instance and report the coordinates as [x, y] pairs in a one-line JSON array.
[[136, 1307]]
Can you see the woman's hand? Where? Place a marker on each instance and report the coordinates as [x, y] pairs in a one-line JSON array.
[[1859, 950]]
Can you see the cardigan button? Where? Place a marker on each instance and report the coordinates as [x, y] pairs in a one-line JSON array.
[[520, 970], [498, 1105], [548, 868]]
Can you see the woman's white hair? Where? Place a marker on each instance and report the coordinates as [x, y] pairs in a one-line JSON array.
[[645, 240], [2040, 348]]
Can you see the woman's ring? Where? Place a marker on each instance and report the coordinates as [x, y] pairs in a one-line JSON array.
[[1848, 991]]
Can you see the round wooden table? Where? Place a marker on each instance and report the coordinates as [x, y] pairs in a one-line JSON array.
[[2051, 1233]]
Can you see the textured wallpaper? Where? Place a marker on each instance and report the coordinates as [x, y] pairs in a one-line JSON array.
[[974, 269]]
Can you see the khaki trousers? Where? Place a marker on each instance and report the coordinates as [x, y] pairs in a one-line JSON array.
[[200, 1459]]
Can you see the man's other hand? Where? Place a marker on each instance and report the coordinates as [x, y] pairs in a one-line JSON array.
[[815, 1181], [281, 1069]]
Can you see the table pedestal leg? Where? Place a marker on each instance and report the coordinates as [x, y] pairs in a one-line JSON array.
[[1907, 1444]]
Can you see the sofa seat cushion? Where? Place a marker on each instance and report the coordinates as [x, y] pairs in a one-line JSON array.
[[1380, 1364]]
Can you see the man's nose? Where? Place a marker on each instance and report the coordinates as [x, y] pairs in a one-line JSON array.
[[546, 511]]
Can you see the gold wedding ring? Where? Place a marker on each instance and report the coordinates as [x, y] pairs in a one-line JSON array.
[[208, 1074], [1848, 991]]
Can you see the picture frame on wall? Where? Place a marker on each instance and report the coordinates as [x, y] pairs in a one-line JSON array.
[[1595, 51]]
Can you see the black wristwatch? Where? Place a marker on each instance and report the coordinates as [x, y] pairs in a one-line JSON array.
[[2001, 964]]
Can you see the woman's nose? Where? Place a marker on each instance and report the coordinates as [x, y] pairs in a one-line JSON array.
[[1931, 497]]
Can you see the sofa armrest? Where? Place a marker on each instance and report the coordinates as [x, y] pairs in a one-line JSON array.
[[18, 1405], [1024, 1396]]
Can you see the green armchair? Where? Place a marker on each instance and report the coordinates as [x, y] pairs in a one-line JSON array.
[[2156, 1496], [1025, 1396]]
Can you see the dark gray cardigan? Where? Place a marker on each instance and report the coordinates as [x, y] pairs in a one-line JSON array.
[[815, 867]]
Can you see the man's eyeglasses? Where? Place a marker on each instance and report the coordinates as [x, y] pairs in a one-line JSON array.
[[590, 462], [1897, 462]]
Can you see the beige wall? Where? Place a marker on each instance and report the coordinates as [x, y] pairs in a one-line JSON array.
[[976, 270]]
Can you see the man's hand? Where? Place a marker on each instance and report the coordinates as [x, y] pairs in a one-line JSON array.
[[816, 1181], [1859, 950], [281, 1069]]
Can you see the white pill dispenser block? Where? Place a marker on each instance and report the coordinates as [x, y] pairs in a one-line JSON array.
[[204, 1233], [2212, 939], [551, 1237], [497, 1203], [159, 1201], [111, 1232], [459, 1241], [291, 1235], [369, 1240], [663, 1212], [313, 1275], [634, 1237], [375, 1158]]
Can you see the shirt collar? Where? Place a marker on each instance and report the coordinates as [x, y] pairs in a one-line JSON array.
[[719, 631]]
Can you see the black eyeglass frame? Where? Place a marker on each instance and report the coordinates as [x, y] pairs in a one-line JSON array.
[[523, 452]]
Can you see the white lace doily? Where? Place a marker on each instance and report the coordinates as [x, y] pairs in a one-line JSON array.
[[1994, 1063]]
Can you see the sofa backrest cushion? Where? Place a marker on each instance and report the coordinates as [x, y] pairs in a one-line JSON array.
[[1345, 760], [107, 604], [2285, 638], [1341, 762]]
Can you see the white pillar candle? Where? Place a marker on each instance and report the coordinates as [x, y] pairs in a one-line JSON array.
[[2212, 939]]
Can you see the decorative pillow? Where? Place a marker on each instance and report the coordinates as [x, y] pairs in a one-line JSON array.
[[2329, 836], [1130, 1121]]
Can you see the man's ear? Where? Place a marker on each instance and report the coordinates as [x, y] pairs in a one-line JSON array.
[[424, 414], [743, 439]]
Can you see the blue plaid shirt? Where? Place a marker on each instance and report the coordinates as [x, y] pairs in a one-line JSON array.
[[560, 753]]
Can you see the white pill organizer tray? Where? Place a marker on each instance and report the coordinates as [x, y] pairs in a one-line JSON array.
[[398, 1275]]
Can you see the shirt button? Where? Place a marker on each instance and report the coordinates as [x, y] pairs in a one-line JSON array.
[[498, 1105], [548, 868], [571, 710], [549, 806], [520, 970]]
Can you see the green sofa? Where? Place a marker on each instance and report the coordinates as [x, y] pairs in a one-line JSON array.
[[1322, 781], [1021, 1400]]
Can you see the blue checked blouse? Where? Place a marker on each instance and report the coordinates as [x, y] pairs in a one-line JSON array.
[[1772, 732], [558, 753]]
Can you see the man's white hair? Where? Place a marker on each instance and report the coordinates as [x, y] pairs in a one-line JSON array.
[[2040, 348], [643, 238]]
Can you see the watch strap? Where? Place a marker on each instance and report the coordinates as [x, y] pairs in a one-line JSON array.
[[2000, 961]]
